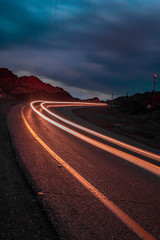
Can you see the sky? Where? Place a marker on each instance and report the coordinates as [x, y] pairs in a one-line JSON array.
[[91, 48]]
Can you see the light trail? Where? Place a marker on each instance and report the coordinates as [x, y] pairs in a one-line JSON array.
[[128, 157], [136, 228], [112, 140]]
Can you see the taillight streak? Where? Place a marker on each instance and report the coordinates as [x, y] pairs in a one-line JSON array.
[[128, 157], [112, 140], [110, 205]]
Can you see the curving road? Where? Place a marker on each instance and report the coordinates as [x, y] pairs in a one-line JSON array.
[[92, 186]]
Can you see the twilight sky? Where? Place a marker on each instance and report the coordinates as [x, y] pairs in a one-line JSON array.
[[88, 47]]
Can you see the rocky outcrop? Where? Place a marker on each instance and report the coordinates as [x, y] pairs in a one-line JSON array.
[[141, 98], [30, 87], [8, 80], [94, 100]]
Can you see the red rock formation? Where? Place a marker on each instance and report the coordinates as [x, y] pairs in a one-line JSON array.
[[94, 100], [8, 80], [30, 87]]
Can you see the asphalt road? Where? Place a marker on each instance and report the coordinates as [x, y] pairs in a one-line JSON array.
[[77, 182]]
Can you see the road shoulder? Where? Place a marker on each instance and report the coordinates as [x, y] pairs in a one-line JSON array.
[[21, 215]]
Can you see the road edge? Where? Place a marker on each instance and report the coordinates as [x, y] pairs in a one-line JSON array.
[[32, 186]]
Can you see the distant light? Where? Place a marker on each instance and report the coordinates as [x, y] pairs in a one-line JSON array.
[[155, 77]]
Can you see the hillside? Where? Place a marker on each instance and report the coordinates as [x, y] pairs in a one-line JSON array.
[[141, 98], [137, 103], [30, 88]]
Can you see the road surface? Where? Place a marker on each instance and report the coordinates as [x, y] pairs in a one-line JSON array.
[[92, 186]]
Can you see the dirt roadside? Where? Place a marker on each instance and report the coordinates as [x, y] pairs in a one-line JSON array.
[[21, 215], [137, 127]]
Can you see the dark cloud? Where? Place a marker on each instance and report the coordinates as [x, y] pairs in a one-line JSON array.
[[105, 46]]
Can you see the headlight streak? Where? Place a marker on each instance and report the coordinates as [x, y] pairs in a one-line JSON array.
[[128, 157], [110, 205], [117, 142]]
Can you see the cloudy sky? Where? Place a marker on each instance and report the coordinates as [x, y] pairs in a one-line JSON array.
[[89, 47]]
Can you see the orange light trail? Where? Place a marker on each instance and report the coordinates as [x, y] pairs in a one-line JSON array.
[[109, 204], [112, 140], [128, 157]]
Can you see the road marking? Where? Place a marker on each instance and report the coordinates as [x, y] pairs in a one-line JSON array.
[[110, 205], [102, 136], [128, 157]]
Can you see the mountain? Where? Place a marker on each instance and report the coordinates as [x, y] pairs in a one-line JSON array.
[[138, 103], [141, 98], [30, 88], [92, 100]]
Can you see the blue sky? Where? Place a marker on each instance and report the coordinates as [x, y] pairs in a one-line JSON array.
[[89, 47]]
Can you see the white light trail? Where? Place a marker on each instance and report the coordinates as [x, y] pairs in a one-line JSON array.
[[109, 204], [112, 140], [128, 157]]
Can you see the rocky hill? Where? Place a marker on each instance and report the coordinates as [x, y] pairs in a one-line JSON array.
[[137, 103], [93, 100], [141, 98], [30, 88]]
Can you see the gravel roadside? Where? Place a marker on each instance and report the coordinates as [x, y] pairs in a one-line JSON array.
[[21, 215]]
